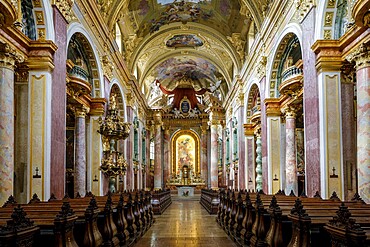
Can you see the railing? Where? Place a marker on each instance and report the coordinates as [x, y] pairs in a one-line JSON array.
[[255, 109], [79, 72], [291, 72]]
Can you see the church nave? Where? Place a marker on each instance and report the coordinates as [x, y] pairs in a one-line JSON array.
[[185, 223]]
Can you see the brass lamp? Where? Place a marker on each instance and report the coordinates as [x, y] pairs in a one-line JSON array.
[[112, 129]]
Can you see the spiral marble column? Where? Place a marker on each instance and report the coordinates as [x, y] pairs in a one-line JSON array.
[[258, 161], [214, 155], [80, 166], [158, 173], [7, 64], [290, 150], [362, 58]]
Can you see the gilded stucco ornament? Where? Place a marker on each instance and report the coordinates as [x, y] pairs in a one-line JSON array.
[[108, 66], [238, 44], [261, 67], [303, 7], [65, 7]]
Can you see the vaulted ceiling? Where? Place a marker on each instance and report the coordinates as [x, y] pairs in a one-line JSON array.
[[203, 41]]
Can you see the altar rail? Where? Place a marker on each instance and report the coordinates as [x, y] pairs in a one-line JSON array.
[[161, 200], [112, 220], [209, 199], [292, 221]]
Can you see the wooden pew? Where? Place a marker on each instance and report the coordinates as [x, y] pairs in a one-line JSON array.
[[108, 226], [55, 224], [19, 230], [210, 200], [262, 226], [161, 200]]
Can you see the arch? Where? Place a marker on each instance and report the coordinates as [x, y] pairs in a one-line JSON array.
[[49, 21], [76, 28], [330, 16], [274, 61], [254, 94], [116, 88], [196, 150]]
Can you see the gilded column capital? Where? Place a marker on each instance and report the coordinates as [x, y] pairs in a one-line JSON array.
[[347, 74], [361, 56], [289, 112], [204, 129], [9, 56], [167, 129], [157, 117], [82, 111], [257, 131], [214, 122]]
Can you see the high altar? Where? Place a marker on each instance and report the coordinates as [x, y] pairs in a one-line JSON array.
[[185, 161]]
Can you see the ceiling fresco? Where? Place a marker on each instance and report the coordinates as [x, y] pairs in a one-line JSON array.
[[147, 17], [184, 40], [201, 72], [171, 40]]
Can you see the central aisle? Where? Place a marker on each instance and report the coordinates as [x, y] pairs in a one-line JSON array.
[[185, 223]]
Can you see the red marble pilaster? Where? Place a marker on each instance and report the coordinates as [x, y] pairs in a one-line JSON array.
[[58, 107], [311, 106]]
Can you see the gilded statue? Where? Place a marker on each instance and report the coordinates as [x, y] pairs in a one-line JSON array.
[[112, 102], [106, 146]]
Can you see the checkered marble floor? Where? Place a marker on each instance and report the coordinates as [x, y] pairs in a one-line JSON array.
[[185, 223]]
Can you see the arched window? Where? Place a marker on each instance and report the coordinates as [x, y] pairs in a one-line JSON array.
[[251, 35], [118, 37], [235, 139], [136, 139], [143, 146]]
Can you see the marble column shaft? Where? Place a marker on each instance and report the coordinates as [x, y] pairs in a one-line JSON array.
[[363, 131], [349, 138], [214, 157], [6, 127], [158, 157], [361, 56], [291, 161], [80, 166], [166, 156], [203, 158]]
